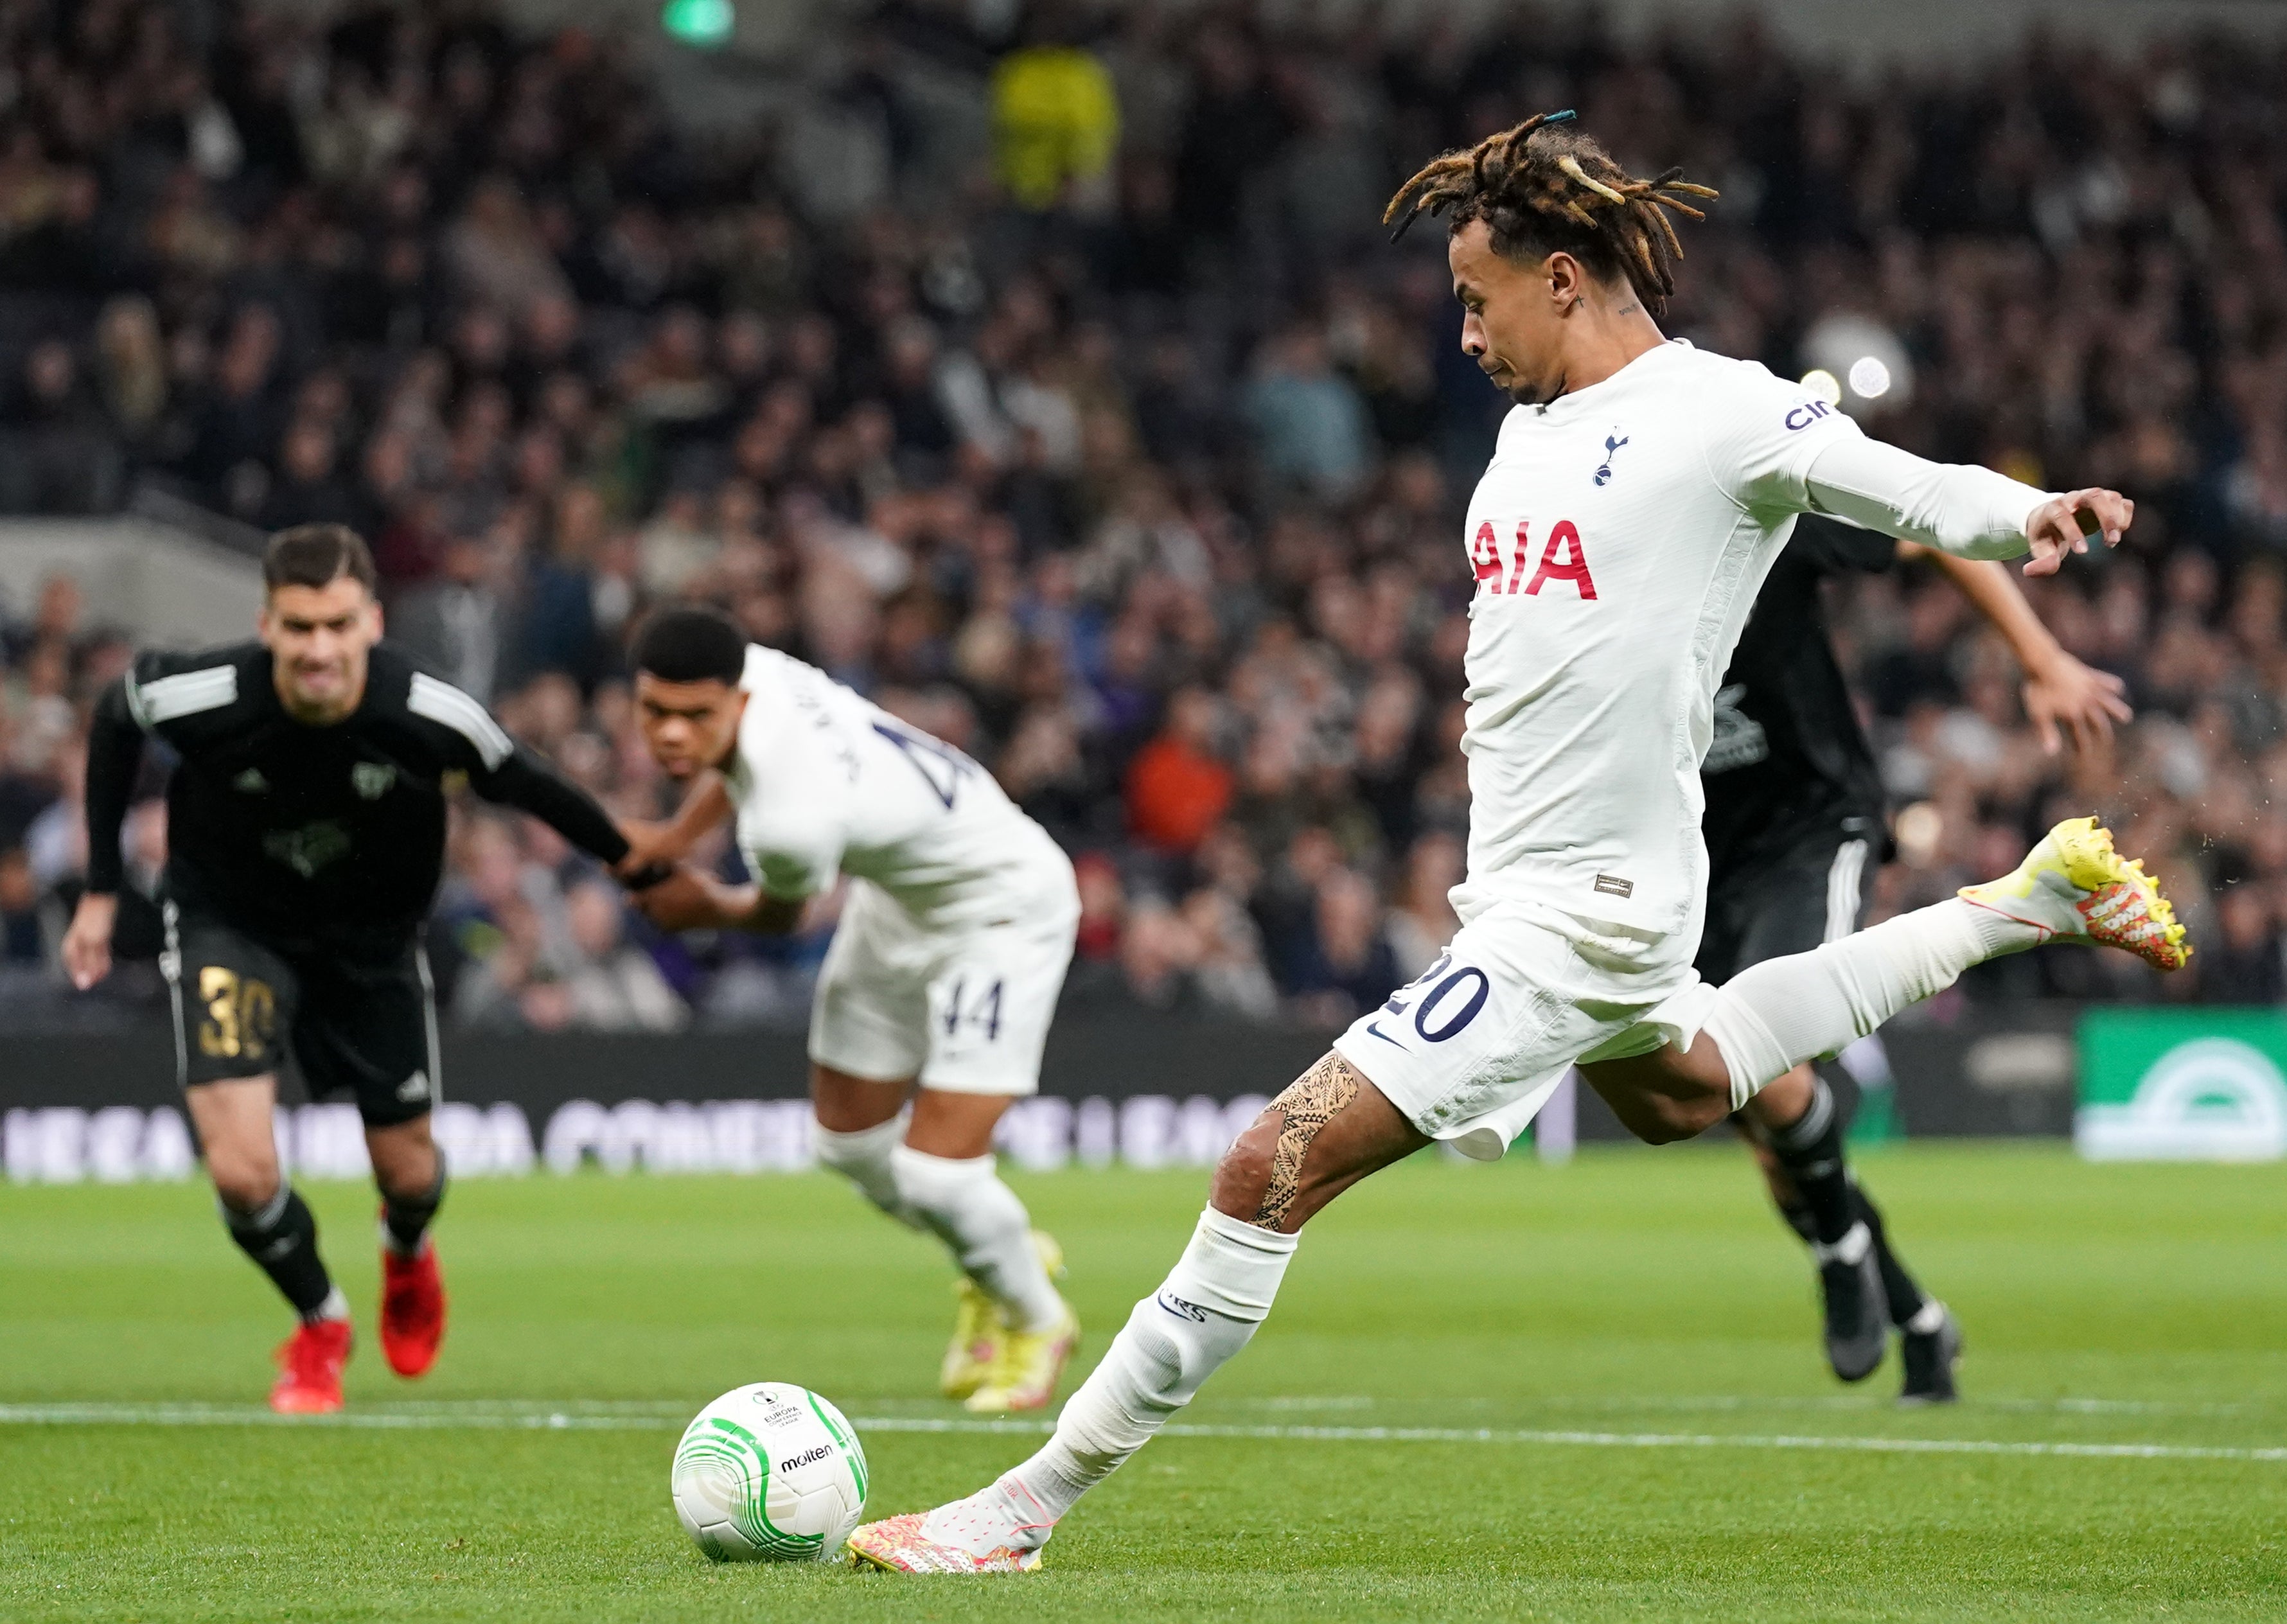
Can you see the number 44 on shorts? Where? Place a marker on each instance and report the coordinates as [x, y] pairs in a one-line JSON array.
[[980, 1015], [1455, 999]]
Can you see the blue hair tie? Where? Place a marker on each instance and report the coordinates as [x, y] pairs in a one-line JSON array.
[[1565, 117]]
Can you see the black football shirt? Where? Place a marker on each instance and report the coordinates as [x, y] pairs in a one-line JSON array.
[[307, 836], [1788, 752]]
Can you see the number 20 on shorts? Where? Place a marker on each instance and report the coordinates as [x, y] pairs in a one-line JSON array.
[[1455, 1000]]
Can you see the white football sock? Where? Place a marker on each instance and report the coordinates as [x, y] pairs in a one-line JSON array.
[[863, 1158], [986, 1227], [1218, 1292], [1772, 1016]]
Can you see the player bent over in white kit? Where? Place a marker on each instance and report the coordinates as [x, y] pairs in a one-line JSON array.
[[1638, 494], [935, 995]]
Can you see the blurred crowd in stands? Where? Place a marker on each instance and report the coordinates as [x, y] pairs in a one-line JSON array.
[[1058, 390]]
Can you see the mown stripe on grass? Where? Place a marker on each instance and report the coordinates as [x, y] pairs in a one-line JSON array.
[[474, 1417], [246, 1415]]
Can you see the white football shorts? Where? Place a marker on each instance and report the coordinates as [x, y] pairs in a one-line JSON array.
[[1472, 1049], [966, 1010]]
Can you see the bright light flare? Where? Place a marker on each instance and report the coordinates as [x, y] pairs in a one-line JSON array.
[[1823, 385]]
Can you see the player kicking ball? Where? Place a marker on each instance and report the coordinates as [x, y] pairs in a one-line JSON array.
[[1637, 497], [934, 998], [306, 832], [1794, 809]]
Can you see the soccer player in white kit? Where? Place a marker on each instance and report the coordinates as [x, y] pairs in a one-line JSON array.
[[1638, 494], [935, 995]]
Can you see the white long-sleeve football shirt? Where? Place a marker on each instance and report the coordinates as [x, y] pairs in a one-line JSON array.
[[1618, 539], [826, 781]]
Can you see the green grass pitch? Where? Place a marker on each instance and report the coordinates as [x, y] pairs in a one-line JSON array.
[[1615, 1361]]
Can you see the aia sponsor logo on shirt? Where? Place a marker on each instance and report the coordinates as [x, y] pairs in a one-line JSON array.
[[1564, 559]]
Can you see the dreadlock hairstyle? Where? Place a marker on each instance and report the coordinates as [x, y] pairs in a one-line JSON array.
[[1542, 190]]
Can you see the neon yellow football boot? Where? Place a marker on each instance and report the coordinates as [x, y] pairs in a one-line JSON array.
[[2073, 886], [1031, 1363], [978, 1333], [976, 1346]]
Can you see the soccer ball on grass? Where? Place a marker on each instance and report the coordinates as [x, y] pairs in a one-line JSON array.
[[769, 1473]]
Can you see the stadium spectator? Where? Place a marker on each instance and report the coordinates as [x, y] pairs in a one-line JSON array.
[[1056, 116], [2247, 965], [1422, 921], [614, 987], [1343, 963], [1178, 786], [23, 926], [56, 455]]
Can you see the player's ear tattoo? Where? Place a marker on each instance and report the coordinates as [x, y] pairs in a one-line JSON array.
[[1308, 1103]]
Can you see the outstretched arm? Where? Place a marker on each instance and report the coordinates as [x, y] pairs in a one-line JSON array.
[[691, 899], [706, 805], [1967, 512], [114, 750], [529, 784], [2060, 691]]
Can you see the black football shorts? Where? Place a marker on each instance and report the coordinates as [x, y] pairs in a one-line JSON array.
[[360, 1024], [1807, 893]]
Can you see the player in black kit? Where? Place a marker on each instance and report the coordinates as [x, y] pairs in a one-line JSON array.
[[305, 822], [1794, 816]]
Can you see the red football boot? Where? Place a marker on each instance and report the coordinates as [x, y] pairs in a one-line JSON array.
[[309, 1369], [412, 1309]]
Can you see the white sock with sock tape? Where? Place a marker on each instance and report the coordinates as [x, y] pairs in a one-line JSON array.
[[1196, 1323], [984, 1225], [1772, 1016]]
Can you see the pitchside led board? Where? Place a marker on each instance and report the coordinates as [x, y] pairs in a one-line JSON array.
[[2182, 1085]]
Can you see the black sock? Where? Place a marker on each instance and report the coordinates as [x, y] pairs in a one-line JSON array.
[[1906, 1298], [1799, 1219], [1792, 1212], [406, 1218], [1810, 1150], [282, 1239]]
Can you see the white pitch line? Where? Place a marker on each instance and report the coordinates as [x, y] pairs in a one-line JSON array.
[[1870, 1404], [1623, 1440], [473, 1418]]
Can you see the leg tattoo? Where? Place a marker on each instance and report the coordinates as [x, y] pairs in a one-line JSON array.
[[1309, 1102]]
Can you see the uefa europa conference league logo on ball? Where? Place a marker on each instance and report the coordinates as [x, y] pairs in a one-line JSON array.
[[769, 1473]]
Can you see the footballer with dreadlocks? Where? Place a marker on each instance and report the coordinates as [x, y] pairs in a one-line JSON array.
[[1639, 493], [305, 826]]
